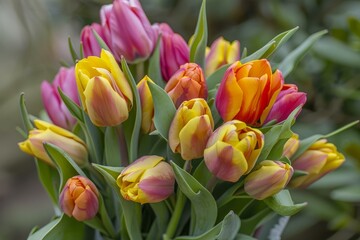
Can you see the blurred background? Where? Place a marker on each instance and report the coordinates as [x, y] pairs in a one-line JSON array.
[[33, 42]]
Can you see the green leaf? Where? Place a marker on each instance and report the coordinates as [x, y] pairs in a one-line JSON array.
[[100, 41], [282, 204], [203, 205], [61, 228], [66, 166], [159, 226], [225, 230], [154, 69], [24, 114], [112, 171], [273, 229], [49, 178], [278, 41], [131, 211], [340, 52], [94, 139], [73, 108], [347, 194], [259, 53], [72, 51], [277, 133], [198, 45], [112, 149], [216, 77], [354, 25], [164, 109], [241, 236], [290, 61], [307, 142], [134, 121], [249, 225]]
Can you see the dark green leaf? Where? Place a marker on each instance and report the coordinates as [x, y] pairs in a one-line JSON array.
[[94, 139], [61, 228], [225, 230], [131, 211], [136, 112], [198, 45], [354, 25], [282, 204], [249, 225], [290, 61], [164, 109], [112, 149], [73, 108], [66, 166], [203, 205], [161, 221]]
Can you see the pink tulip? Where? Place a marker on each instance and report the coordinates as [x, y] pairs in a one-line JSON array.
[[90, 44], [54, 106], [174, 51], [288, 99], [128, 30]]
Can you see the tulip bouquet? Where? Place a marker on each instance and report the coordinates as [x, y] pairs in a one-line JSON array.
[[150, 137]]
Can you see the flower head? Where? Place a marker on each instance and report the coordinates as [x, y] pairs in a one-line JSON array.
[[54, 106], [187, 83], [147, 180], [319, 159], [147, 105], [232, 150], [248, 91], [49, 133], [190, 129], [79, 198], [104, 91], [268, 178], [87, 38]]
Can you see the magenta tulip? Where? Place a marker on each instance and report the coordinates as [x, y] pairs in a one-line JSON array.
[[90, 44]]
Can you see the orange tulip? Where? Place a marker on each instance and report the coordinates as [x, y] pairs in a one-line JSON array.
[[248, 91]]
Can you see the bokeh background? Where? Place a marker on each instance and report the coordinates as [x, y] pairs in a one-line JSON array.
[[33, 42]]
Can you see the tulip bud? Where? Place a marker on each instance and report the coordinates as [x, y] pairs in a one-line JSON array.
[[147, 180], [268, 178], [187, 83], [291, 146], [54, 106], [232, 150], [49, 133], [147, 105], [90, 45], [174, 51], [191, 128], [128, 30], [79, 198], [318, 160], [105, 93], [288, 99], [248, 91], [220, 53]]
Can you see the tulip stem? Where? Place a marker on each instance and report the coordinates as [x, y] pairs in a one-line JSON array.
[[139, 71], [123, 146], [174, 221]]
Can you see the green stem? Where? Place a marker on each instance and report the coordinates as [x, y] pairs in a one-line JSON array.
[[139, 71], [174, 221], [229, 193]]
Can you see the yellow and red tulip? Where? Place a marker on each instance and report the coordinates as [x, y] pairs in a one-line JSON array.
[[319, 159], [147, 105], [232, 150], [104, 91], [190, 129], [48, 133], [291, 146], [221, 52], [79, 198], [248, 91], [147, 180], [268, 178], [187, 83]]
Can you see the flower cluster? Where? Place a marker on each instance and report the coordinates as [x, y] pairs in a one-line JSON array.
[[208, 130]]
